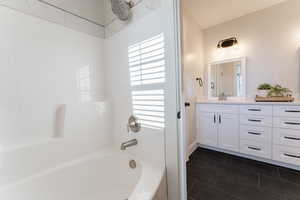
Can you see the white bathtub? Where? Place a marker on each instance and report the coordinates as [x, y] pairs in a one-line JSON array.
[[103, 175]]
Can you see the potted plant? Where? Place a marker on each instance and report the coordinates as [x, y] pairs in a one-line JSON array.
[[264, 89], [279, 91]]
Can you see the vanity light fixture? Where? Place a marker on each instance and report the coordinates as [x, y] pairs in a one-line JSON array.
[[227, 43]]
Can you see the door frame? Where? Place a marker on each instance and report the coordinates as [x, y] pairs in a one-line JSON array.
[[174, 137]]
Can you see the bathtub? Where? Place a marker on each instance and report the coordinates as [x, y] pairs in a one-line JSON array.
[[102, 175]]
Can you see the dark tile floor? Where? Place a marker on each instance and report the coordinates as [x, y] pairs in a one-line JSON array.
[[217, 176]]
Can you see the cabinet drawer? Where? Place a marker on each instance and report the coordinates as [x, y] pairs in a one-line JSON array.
[[256, 110], [256, 133], [287, 111], [286, 122], [286, 154], [286, 137], [254, 148], [256, 120], [215, 108]]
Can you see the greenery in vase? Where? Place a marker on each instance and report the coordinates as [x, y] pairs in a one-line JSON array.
[[264, 86]]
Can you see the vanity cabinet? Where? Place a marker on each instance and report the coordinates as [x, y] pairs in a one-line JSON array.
[[220, 128], [228, 132], [208, 129], [256, 130], [286, 134], [270, 131]]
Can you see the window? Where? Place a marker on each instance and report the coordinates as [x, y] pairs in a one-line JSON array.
[[147, 78], [147, 61]]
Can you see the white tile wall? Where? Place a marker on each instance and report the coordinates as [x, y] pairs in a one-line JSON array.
[[37, 9], [39, 69], [142, 8]]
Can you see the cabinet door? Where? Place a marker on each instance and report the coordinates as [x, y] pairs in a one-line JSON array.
[[208, 129], [228, 133]]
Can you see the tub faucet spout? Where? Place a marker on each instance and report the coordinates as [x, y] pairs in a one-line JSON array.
[[129, 143]]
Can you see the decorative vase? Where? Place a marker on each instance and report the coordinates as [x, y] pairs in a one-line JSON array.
[[263, 93]]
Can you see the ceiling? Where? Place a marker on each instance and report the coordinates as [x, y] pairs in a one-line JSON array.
[[90, 9], [209, 13]]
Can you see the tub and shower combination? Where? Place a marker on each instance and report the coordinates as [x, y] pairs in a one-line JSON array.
[[74, 164]]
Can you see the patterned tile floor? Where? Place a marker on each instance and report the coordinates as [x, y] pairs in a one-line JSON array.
[[218, 176]]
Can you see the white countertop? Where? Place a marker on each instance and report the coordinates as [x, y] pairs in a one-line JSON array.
[[245, 101]]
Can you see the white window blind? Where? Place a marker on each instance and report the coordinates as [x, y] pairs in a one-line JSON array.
[[147, 61], [147, 78], [149, 107]]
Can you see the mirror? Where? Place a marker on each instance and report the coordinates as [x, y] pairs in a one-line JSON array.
[[227, 77]]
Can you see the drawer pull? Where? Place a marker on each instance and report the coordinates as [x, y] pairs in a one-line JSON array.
[[292, 123], [291, 138], [254, 133], [255, 120], [293, 111], [290, 155], [255, 148], [253, 109]]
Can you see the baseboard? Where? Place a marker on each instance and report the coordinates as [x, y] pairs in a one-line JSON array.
[[191, 148], [273, 162]]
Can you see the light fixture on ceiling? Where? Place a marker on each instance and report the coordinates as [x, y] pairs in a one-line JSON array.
[[227, 43]]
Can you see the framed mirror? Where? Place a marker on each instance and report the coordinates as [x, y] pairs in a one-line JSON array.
[[227, 77]]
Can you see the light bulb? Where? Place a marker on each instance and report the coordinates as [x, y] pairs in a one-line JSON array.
[[236, 46]]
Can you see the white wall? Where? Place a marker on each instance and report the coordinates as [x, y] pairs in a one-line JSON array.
[[40, 65], [43, 11], [193, 64], [270, 39], [90, 9], [146, 23], [117, 70], [141, 8]]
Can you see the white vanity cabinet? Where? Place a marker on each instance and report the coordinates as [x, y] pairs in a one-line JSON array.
[[228, 131], [218, 126], [256, 130], [286, 134], [208, 129], [269, 132]]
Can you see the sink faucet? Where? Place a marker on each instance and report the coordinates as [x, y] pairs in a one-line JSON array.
[[129, 143]]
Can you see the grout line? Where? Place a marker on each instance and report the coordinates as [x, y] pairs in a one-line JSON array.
[[259, 180]]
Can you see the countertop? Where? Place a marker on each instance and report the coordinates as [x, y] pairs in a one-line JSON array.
[[245, 101]]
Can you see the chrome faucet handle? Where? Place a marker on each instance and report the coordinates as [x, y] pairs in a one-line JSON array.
[[133, 124]]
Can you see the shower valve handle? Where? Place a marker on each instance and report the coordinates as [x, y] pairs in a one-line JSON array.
[[133, 124]]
